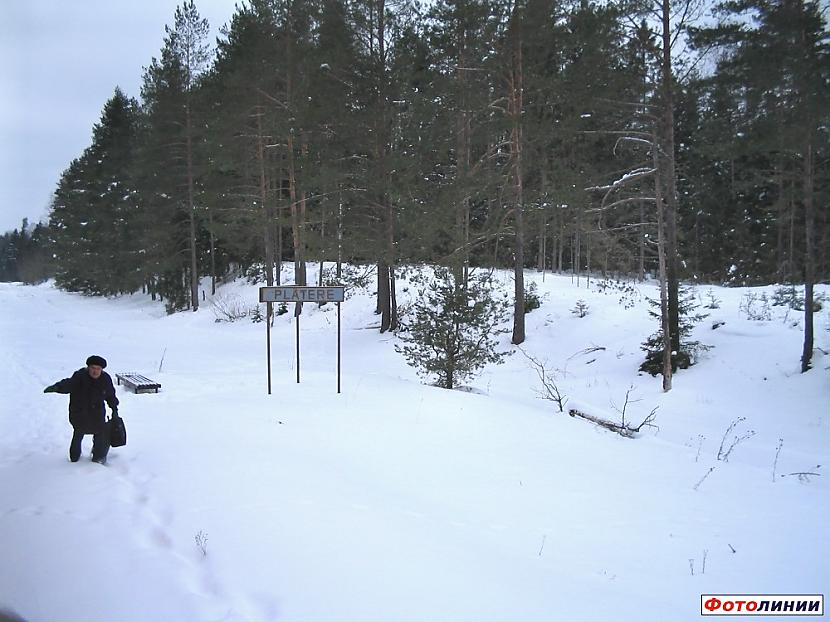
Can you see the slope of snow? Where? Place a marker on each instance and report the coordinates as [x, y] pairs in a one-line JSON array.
[[398, 501]]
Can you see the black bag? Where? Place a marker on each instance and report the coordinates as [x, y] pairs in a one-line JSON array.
[[118, 432]]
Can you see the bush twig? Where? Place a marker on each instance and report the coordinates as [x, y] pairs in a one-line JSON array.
[[702, 479], [775, 463], [550, 389]]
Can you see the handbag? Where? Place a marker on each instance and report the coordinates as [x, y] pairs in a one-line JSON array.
[[118, 432]]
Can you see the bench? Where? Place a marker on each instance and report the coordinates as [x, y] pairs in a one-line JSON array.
[[138, 383]]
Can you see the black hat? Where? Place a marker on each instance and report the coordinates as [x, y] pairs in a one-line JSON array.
[[96, 360]]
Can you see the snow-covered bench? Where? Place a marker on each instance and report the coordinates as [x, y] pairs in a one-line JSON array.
[[138, 383]]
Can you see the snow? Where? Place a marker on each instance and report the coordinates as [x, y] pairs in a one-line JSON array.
[[397, 501]]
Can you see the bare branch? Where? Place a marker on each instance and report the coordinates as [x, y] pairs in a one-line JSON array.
[[647, 135], [618, 102], [621, 202], [625, 180], [587, 351], [632, 139]]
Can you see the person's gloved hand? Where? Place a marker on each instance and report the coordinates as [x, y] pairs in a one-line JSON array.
[[51, 389]]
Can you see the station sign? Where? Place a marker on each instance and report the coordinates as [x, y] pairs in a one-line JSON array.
[[301, 293]]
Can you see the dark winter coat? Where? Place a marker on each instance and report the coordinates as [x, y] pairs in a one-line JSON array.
[[86, 399]]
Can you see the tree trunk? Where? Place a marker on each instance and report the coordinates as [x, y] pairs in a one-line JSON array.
[[194, 272], [339, 234], [670, 179], [515, 110], [462, 147], [809, 255], [213, 275], [642, 266], [389, 319], [383, 296], [588, 238], [263, 198], [393, 300], [662, 271], [578, 247], [541, 258], [297, 215], [278, 262]]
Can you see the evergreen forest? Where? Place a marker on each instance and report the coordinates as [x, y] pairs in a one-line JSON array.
[[671, 139]]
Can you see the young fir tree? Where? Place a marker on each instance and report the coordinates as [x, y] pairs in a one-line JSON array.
[[454, 329], [689, 350]]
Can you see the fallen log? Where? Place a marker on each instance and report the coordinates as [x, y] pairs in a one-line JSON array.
[[623, 429]]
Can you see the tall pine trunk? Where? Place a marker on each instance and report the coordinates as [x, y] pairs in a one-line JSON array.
[[809, 254], [670, 179], [297, 207], [263, 198], [515, 112], [194, 272], [462, 148], [661, 265], [386, 263]]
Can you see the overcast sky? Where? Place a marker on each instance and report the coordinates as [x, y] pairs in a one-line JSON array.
[[59, 64]]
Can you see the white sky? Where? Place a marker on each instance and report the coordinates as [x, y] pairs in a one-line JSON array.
[[59, 63]]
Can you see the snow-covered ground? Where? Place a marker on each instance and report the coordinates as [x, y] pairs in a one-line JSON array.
[[396, 501]]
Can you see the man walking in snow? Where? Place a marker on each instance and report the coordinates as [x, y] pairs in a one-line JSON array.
[[88, 389]]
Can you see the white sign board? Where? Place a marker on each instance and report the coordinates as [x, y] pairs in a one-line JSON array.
[[301, 293]]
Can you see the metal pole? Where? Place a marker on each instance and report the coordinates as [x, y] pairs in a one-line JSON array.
[[268, 340], [338, 347], [297, 321]]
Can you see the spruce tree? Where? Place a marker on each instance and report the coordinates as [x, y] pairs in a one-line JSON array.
[[689, 350], [93, 218]]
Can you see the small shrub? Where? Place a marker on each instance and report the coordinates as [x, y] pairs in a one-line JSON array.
[[713, 303], [629, 294], [792, 297], [228, 308], [352, 277], [580, 308], [201, 542], [532, 300], [255, 274], [256, 315], [756, 308], [724, 451]]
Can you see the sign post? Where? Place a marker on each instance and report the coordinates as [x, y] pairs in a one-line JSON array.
[[338, 347], [300, 294], [268, 341]]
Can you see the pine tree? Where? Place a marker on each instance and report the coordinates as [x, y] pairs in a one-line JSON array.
[[170, 165], [454, 330], [246, 127]]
